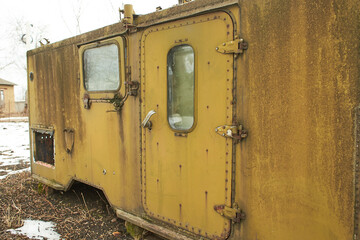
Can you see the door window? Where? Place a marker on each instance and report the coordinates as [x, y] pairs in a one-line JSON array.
[[181, 87], [101, 68]]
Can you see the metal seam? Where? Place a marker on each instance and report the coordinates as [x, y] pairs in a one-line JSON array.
[[356, 172]]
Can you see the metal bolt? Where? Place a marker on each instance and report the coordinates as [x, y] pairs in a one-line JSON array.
[[104, 171]]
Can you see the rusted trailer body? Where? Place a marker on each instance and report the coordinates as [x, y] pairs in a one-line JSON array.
[[211, 119]]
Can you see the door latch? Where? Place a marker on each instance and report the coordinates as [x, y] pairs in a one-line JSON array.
[[234, 214], [146, 123], [235, 132]]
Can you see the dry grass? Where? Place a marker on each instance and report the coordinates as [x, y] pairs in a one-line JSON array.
[[81, 213]]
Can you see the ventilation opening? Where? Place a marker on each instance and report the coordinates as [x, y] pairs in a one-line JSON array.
[[44, 147]]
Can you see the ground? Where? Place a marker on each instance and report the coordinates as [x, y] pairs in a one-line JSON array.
[[80, 213], [14, 148]]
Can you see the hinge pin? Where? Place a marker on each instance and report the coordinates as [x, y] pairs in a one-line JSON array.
[[235, 46], [234, 214], [235, 132]]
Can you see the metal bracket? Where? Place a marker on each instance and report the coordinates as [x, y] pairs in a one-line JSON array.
[[235, 132], [234, 214], [117, 101], [133, 87], [235, 46], [87, 101]]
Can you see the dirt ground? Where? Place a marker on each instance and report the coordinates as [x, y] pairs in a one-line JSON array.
[[80, 213]]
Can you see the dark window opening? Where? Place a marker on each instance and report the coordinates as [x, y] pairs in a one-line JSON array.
[[44, 148]]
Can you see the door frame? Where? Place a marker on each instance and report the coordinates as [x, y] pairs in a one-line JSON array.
[[143, 109]]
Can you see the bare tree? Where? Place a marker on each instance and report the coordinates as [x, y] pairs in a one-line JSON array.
[[78, 8], [16, 35], [6, 64], [13, 49]]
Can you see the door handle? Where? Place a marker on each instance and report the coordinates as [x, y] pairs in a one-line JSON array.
[[147, 123]]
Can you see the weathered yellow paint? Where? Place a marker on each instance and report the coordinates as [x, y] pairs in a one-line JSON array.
[[185, 177], [103, 130], [295, 89], [299, 82]]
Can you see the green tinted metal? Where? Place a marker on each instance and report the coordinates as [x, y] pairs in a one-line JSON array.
[[181, 85]]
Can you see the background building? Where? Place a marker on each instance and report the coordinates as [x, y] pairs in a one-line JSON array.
[[7, 99]]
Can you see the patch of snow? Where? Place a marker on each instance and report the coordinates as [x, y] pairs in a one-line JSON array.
[[36, 229], [14, 147], [10, 172], [14, 119]]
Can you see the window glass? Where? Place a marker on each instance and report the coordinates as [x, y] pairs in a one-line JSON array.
[[101, 68], [181, 84]]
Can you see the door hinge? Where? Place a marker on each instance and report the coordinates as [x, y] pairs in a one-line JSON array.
[[235, 46], [234, 214], [235, 132]]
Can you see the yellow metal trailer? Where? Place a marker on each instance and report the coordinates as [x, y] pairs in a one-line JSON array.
[[209, 120]]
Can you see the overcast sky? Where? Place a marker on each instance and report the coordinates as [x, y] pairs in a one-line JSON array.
[[55, 20]]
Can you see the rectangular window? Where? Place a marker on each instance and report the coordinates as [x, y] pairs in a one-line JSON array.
[[44, 147], [101, 68], [2, 98], [181, 87]]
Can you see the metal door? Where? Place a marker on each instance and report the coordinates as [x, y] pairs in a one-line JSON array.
[[186, 170], [102, 76]]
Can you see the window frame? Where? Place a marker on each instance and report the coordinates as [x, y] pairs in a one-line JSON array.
[[98, 45], [195, 98], [2, 98], [42, 130]]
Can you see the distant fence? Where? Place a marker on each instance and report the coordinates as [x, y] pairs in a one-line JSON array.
[[20, 110]]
